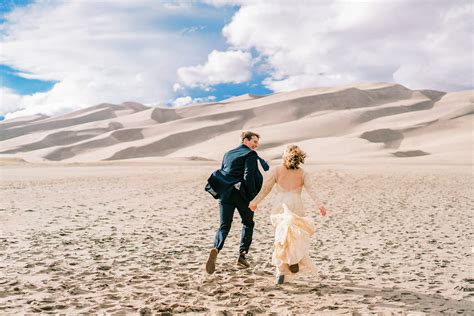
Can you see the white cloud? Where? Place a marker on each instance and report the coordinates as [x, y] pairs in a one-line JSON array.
[[8, 100], [232, 66], [210, 98], [221, 3], [177, 87], [421, 44], [183, 101], [107, 51], [115, 51], [187, 100]]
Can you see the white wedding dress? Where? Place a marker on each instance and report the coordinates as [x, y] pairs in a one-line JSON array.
[[293, 229]]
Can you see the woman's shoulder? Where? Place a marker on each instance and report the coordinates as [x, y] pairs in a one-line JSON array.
[[276, 170], [302, 172], [281, 169]]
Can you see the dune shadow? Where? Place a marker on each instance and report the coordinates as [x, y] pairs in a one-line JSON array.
[[410, 153]]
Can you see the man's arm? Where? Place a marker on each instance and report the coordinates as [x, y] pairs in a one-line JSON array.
[[222, 163], [250, 173]]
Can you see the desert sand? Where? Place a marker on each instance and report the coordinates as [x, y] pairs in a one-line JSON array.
[[133, 237], [103, 209]]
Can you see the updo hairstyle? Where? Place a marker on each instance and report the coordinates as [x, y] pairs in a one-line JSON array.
[[293, 156]]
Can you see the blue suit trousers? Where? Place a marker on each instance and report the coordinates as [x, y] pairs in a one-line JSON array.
[[227, 206]]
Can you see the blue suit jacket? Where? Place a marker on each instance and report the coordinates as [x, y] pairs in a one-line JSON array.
[[238, 165]]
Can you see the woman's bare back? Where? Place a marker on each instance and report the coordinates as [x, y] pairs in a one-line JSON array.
[[289, 179], [290, 183]]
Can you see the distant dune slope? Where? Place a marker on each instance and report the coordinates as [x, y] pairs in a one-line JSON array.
[[363, 121]]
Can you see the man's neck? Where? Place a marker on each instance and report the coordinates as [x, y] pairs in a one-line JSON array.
[[247, 146]]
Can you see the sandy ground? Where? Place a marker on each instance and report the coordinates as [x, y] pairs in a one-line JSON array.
[[133, 238]]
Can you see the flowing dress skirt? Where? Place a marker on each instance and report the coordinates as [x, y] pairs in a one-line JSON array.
[[292, 242]]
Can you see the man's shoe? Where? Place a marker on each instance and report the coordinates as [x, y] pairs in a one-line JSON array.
[[211, 261], [280, 279], [294, 268], [243, 261]]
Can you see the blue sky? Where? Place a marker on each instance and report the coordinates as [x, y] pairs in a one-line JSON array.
[[162, 52], [8, 75], [225, 90], [210, 23], [9, 5], [10, 78]]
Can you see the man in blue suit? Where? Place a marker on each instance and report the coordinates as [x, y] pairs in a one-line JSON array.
[[236, 184]]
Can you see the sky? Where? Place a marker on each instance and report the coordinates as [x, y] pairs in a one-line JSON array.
[[57, 56]]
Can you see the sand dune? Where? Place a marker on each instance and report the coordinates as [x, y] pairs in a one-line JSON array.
[[116, 221], [243, 97], [370, 120], [18, 121], [133, 238], [95, 113]]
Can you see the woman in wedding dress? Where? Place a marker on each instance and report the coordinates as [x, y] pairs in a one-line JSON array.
[[293, 229]]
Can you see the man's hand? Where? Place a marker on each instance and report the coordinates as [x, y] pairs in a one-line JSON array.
[[322, 210], [253, 207]]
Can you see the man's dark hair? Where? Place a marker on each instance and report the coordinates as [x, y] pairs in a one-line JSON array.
[[248, 135]]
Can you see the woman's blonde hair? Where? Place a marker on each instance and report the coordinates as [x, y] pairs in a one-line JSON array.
[[293, 156]]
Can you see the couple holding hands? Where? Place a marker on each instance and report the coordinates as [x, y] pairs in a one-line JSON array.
[[239, 184]]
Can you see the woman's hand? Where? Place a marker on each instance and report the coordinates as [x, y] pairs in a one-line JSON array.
[[253, 206], [322, 210]]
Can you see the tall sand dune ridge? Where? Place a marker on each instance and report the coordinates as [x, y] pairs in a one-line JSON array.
[[375, 121]]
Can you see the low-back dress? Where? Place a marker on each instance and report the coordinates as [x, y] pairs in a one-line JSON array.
[[293, 229]]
